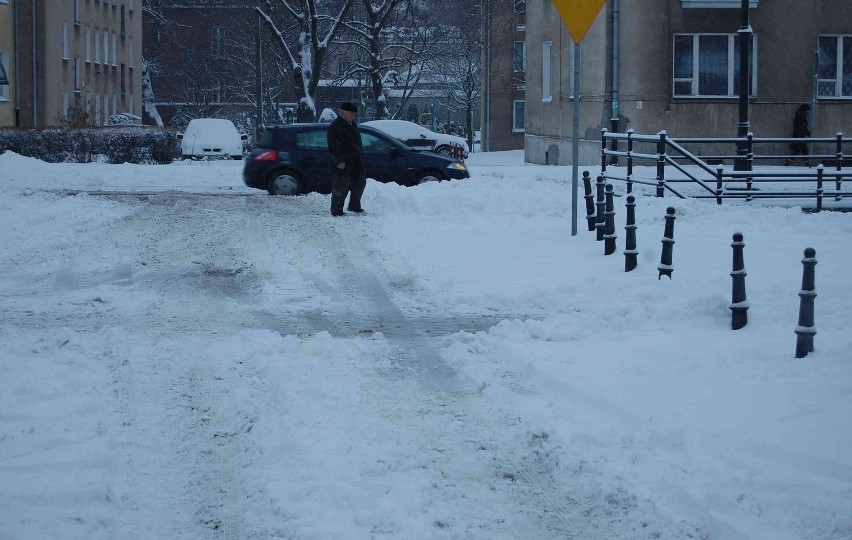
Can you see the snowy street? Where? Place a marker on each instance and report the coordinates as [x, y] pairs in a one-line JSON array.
[[184, 357]]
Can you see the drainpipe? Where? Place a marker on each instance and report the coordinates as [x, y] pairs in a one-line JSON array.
[[615, 53], [35, 80], [15, 41]]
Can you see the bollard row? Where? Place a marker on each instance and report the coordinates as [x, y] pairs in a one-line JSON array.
[[600, 216]]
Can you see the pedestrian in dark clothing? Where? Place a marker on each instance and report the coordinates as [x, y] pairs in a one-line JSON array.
[[344, 143], [800, 131]]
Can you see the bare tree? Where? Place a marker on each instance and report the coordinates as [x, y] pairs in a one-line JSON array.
[[304, 34]]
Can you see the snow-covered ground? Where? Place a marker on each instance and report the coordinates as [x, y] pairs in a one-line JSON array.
[[182, 357]]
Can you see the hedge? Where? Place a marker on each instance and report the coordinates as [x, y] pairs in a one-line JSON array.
[[117, 145]]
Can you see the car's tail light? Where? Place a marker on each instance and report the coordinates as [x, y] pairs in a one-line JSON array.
[[269, 155]]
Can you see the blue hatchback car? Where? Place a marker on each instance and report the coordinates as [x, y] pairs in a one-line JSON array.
[[294, 159]]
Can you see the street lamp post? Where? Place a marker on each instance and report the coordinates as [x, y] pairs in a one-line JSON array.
[[742, 163]]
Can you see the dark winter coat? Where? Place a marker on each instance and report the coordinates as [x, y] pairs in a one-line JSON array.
[[344, 143], [800, 123]]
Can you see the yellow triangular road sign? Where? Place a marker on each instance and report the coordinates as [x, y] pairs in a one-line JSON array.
[[578, 15]]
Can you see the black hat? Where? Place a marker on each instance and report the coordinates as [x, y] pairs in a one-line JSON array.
[[348, 106]]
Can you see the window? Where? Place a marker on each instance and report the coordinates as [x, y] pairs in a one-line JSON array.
[[834, 75], [97, 109], [88, 45], [97, 46], [130, 5], [218, 44], [65, 104], [130, 52], [4, 75], [707, 65], [105, 34], [374, 145], [546, 75], [77, 12], [106, 108], [132, 104], [64, 42], [78, 79], [717, 4], [520, 6], [519, 58], [114, 49], [518, 124], [312, 140]]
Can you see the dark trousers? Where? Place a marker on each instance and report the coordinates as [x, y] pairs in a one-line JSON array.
[[345, 183]]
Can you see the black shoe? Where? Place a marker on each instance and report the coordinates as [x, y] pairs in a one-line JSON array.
[[356, 210], [337, 214]]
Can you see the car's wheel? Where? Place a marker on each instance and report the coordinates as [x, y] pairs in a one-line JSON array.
[[446, 150], [283, 183], [428, 176]]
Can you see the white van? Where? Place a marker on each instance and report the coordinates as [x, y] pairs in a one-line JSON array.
[[207, 138]]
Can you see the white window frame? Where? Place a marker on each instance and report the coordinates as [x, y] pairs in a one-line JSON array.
[[733, 66], [88, 45], [547, 71], [78, 76], [838, 80], [523, 56], [64, 38], [515, 127], [105, 34], [114, 49], [4, 88]]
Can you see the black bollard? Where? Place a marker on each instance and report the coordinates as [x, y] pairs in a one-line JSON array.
[[631, 252], [609, 218], [599, 214], [665, 267], [590, 200], [739, 304], [806, 331]]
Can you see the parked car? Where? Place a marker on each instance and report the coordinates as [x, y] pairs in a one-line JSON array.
[[417, 136], [207, 138], [294, 159]]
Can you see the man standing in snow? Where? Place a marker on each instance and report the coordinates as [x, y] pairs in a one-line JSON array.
[[800, 131], [344, 143]]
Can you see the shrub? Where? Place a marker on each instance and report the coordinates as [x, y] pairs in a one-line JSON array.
[[130, 144]]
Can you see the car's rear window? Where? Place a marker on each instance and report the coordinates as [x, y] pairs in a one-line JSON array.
[[312, 140], [267, 138]]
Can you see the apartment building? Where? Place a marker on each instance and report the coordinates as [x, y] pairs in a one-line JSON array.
[[84, 54], [504, 66], [673, 65], [7, 73]]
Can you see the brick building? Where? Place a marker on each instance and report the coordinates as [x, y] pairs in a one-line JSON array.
[[504, 68]]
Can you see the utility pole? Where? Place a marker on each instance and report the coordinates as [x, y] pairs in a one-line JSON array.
[[742, 163]]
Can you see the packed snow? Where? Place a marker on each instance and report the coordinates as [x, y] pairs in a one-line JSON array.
[[184, 357]]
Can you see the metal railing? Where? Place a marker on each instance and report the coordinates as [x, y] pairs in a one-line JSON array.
[[713, 181]]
